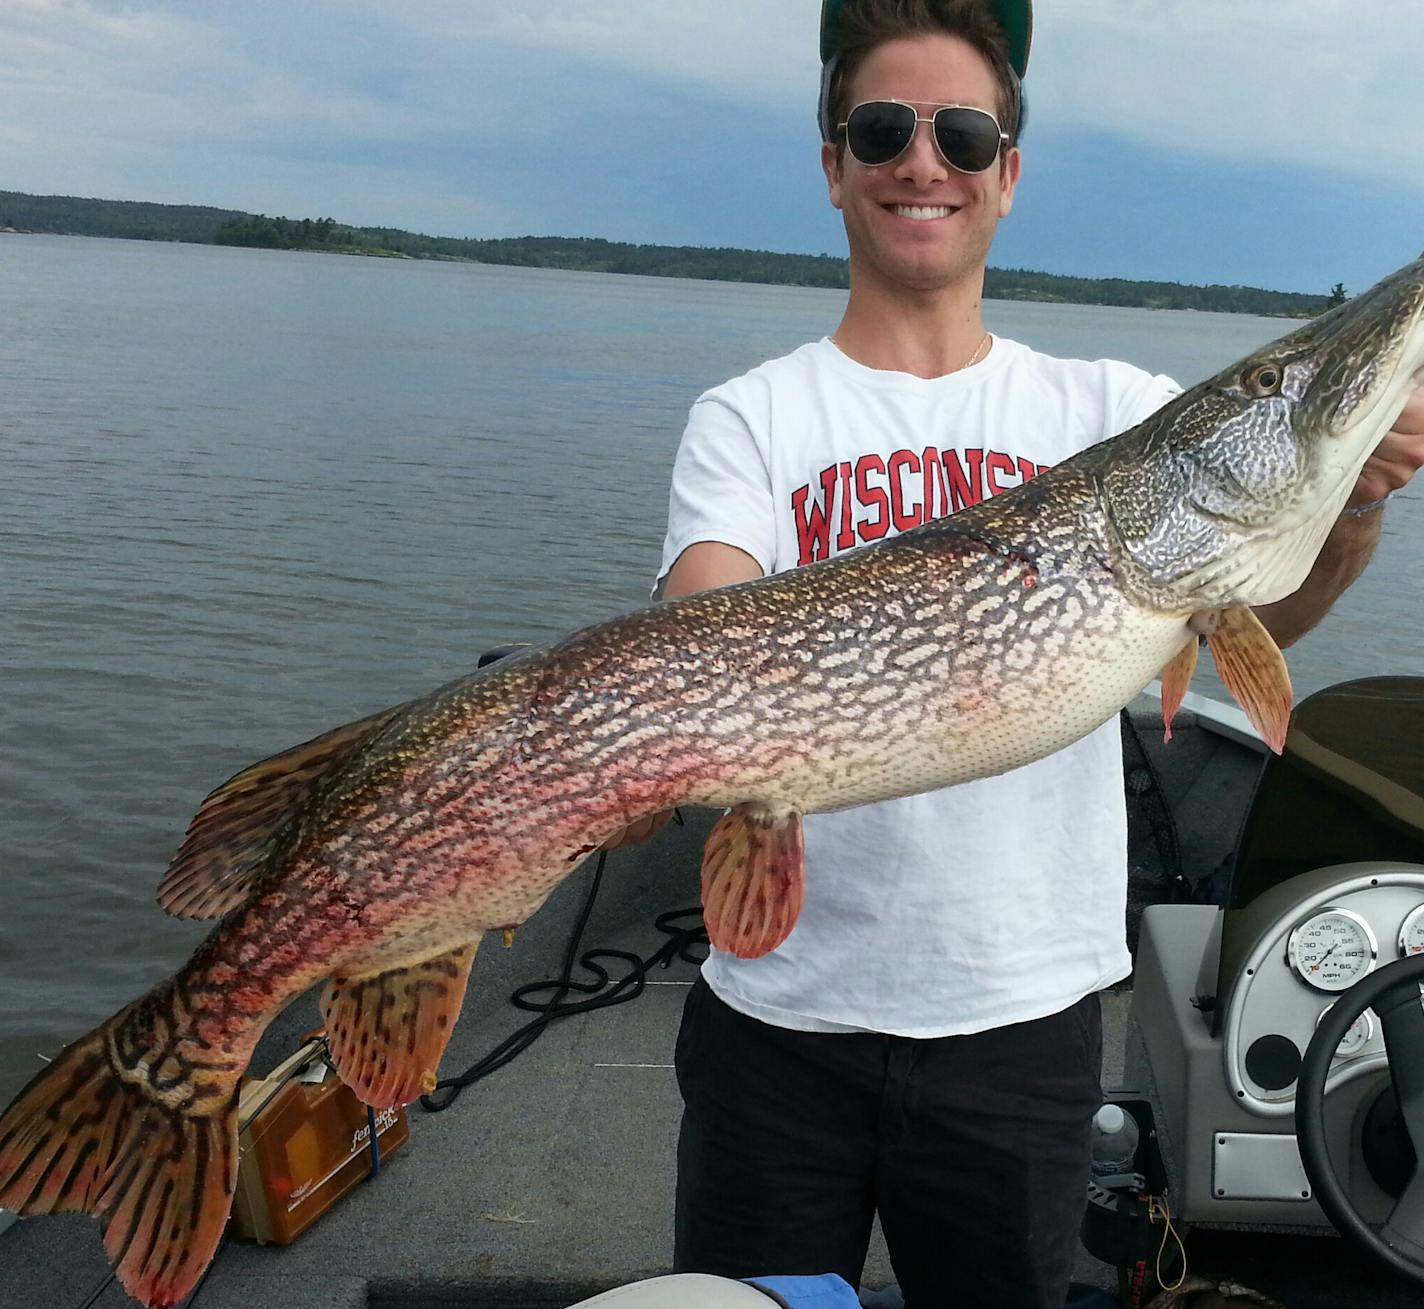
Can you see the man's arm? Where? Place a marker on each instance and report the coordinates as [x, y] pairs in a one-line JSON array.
[[1342, 559], [1353, 539], [706, 564], [700, 567]]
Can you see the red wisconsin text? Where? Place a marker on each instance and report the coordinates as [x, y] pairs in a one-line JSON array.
[[863, 501]]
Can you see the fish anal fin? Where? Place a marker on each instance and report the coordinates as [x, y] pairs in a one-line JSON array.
[[1176, 678], [388, 1030], [1253, 669], [84, 1135], [225, 850], [753, 879]]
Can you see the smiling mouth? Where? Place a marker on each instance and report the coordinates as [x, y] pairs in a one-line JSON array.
[[921, 213]]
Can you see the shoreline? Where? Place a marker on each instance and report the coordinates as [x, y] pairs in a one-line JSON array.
[[1020, 296]]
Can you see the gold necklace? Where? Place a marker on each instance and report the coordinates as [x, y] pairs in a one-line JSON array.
[[969, 363]]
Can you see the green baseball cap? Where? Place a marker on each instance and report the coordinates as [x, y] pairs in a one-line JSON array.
[[1015, 17]]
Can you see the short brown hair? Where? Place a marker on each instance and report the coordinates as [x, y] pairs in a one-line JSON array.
[[865, 24]]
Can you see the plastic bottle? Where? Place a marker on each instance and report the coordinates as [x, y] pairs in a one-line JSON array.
[[1115, 1138]]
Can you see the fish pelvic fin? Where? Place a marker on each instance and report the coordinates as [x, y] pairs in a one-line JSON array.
[[229, 840], [87, 1134], [753, 879], [1176, 677], [388, 1030], [1253, 669]]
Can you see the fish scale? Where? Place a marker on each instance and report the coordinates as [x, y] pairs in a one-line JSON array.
[[376, 856], [840, 665]]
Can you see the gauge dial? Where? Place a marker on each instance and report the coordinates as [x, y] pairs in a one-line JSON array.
[[1411, 932], [1332, 950], [1357, 1035]]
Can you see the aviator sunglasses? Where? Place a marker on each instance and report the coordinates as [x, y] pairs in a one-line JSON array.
[[968, 139]]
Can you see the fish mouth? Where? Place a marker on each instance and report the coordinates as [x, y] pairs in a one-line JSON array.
[[1368, 356], [1375, 407], [1379, 352]]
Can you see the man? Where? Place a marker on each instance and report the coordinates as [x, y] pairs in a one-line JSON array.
[[926, 1044]]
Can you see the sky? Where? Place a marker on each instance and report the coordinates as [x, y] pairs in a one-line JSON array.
[[1231, 141]]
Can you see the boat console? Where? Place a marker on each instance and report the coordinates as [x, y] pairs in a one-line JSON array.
[[1279, 1037]]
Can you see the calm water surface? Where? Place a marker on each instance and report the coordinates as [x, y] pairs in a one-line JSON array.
[[247, 496]]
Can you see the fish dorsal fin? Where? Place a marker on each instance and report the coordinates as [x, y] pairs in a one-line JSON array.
[[225, 849], [1253, 669], [753, 879], [388, 1030]]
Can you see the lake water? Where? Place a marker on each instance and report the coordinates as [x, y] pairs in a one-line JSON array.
[[247, 495]]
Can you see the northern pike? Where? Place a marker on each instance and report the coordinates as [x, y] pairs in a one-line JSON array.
[[375, 857]]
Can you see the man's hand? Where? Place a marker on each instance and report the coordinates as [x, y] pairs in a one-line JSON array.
[[1397, 457], [639, 831]]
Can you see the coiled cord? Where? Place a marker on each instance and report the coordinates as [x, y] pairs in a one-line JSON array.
[[599, 993]]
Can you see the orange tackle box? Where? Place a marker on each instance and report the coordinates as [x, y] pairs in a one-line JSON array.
[[308, 1145]]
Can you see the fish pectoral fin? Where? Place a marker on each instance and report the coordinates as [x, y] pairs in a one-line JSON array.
[[388, 1030], [1253, 669], [1176, 677], [753, 879], [225, 850]]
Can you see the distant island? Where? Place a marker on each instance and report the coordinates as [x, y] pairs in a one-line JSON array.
[[199, 224]]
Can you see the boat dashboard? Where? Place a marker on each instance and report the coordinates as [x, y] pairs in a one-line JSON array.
[[1315, 937]]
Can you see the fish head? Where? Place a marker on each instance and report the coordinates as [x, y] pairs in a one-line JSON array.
[[1241, 478], [1345, 376]]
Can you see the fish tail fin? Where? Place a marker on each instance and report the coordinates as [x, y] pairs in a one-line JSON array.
[[95, 1134]]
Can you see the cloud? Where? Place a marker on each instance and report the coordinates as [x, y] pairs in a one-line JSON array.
[[1316, 82], [140, 102], [647, 120], [751, 51], [1319, 80], [153, 78]]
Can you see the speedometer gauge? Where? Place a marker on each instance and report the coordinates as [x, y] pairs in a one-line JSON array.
[[1332, 950], [1411, 932]]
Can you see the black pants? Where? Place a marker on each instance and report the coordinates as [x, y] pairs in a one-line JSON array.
[[973, 1150]]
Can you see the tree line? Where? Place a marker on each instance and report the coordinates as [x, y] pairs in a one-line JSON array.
[[201, 224], [135, 220], [285, 233]]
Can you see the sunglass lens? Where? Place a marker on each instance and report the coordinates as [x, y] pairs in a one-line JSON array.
[[968, 138], [878, 131]]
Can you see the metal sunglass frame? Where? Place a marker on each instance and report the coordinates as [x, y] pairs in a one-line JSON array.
[[934, 136]]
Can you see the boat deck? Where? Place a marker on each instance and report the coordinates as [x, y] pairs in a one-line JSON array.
[[553, 1179]]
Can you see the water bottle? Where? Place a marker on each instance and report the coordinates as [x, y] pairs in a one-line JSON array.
[[1114, 1145]]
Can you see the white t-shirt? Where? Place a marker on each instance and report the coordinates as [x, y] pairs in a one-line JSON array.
[[994, 902]]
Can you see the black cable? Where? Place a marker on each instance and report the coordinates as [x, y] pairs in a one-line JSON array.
[[98, 1291], [207, 1273], [601, 992], [193, 1296]]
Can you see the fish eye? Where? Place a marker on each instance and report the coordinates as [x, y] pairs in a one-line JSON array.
[[1262, 380]]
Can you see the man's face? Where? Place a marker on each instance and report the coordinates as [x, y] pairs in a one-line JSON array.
[[886, 242]]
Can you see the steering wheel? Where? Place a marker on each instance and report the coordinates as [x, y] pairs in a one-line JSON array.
[[1393, 993]]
